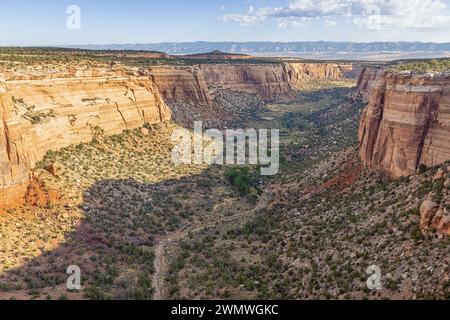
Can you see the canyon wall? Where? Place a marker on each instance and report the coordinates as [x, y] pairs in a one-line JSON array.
[[300, 71], [49, 114], [198, 84], [14, 164], [267, 81], [185, 84], [406, 122]]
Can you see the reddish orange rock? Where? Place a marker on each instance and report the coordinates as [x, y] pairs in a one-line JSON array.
[[434, 217], [39, 113], [406, 122]]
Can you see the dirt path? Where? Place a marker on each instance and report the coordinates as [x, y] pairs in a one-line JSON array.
[[161, 263]]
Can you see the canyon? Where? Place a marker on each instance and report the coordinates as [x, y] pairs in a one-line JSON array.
[[406, 123], [86, 147], [48, 108]]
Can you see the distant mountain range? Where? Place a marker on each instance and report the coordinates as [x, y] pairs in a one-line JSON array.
[[320, 49]]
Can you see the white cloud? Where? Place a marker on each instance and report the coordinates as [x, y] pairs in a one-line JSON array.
[[293, 22], [330, 23], [383, 14], [243, 19]]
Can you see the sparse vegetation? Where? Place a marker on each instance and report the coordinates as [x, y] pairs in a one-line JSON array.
[[435, 65]]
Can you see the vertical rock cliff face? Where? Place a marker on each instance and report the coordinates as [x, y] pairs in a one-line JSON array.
[[181, 84], [198, 84], [267, 81], [406, 122], [14, 165], [299, 71], [367, 79], [41, 115]]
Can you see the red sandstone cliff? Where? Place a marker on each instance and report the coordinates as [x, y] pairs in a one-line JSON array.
[[41, 115], [299, 71], [406, 122], [197, 84], [366, 80], [181, 84], [14, 165], [268, 81]]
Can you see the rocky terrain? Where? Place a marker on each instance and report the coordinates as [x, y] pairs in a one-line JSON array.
[[269, 81]]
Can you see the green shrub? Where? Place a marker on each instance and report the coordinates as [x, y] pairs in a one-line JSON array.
[[240, 178]]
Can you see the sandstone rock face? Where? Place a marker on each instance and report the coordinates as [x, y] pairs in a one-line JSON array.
[[181, 84], [367, 79], [267, 81], [42, 115], [298, 71], [198, 84], [14, 165], [406, 122]]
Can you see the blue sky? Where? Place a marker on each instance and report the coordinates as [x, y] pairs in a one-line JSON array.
[[43, 22]]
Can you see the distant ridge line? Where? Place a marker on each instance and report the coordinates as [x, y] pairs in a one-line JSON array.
[[274, 47]]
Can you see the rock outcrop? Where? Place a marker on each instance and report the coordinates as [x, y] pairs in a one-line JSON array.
[[366, 80], [407, 121], [48, 114], [434, 217], [434, 213]]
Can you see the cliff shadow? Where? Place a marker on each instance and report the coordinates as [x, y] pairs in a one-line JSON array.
[[113, 245]]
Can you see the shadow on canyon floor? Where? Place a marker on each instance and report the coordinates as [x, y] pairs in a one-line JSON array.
[[114, 244]]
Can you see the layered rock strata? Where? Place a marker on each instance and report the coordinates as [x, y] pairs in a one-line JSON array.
[[185, 84], [407, 121], [267, 81], [299, 71], [198, 84], [48, 114]]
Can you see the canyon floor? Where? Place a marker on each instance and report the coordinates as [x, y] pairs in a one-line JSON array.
[[140, 227]]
